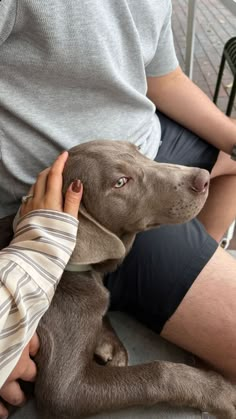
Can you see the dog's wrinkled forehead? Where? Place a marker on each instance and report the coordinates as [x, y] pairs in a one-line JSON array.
[[92, 157]]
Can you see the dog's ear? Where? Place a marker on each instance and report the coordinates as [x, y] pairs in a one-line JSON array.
[[95, 243]]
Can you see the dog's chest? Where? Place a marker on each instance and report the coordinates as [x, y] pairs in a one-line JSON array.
[[82, 292]]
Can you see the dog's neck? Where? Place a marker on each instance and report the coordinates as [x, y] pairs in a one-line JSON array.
[[107, 265]]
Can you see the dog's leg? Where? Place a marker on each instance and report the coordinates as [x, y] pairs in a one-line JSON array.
[[110, 350], [177, 384], [70, 384], [98, 388]]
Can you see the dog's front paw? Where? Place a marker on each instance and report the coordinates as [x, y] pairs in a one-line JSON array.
[[111, 353], [182, 385], [220, 397], [209, 391]]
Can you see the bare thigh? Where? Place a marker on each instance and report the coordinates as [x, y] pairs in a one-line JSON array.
[[205, 321]]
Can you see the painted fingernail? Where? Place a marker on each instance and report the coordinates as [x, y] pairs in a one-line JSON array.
[[76, 185], [62, 153]]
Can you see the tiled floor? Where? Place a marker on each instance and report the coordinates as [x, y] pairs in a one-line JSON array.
[[214, 26]]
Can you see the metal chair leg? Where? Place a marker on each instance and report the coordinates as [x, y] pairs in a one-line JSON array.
[[219, 78], [231, 98], [228, 236]]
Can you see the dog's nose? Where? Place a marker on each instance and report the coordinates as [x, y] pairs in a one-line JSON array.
[[200, 182]]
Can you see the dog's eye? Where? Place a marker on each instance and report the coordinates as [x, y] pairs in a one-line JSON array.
[[121, 182]]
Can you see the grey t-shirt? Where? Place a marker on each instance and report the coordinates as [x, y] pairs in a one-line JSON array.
[[74, 71]]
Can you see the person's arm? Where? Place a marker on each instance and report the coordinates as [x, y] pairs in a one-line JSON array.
[[179, 98], [30, 269]]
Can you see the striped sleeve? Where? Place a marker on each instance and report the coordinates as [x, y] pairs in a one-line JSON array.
[[30, 269]]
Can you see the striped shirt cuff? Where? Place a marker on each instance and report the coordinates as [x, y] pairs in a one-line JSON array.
[[43, 243]]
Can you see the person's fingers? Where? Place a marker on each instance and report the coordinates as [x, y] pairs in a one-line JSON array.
[[34, 345], [73, 197], [12, 393], [31, 191], [47, 191], [37, 191], [3, 411], [30, 371], [41, 185], [54, 182], [24, 209]]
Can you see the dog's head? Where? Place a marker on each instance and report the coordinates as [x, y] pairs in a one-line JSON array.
[[125, 192]]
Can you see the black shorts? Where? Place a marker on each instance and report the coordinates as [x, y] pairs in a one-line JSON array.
[[163, 263]]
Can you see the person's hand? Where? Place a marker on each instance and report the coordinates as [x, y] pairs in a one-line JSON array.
[[25, 369], [46, 193]]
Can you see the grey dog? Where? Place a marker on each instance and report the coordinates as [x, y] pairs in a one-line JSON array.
[[124, 193]]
